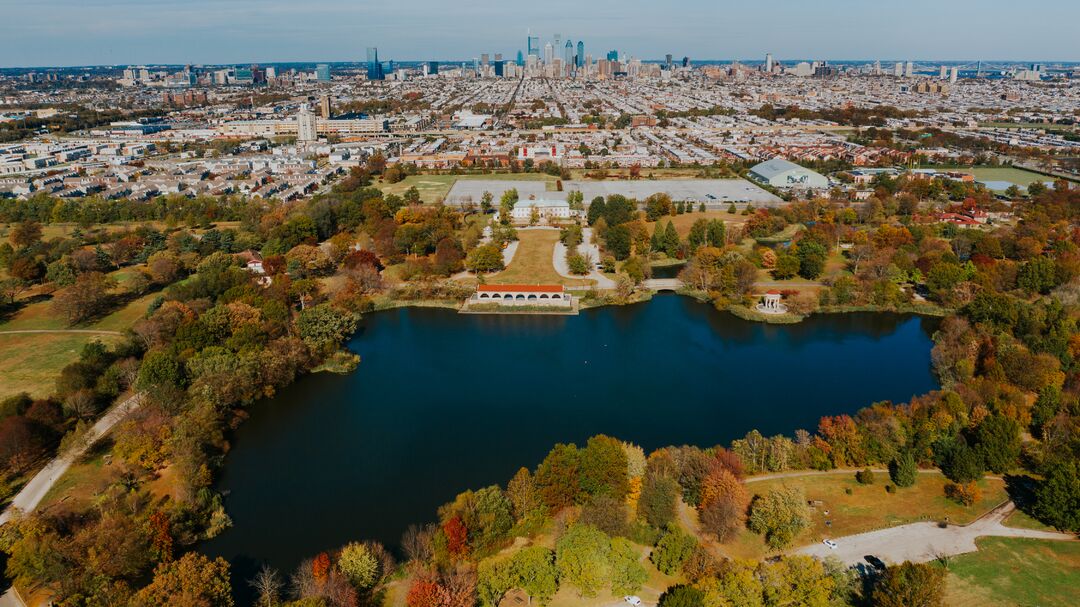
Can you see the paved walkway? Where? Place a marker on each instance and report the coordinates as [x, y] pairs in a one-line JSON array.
[[34, 491], [592, 256], [926, 541]]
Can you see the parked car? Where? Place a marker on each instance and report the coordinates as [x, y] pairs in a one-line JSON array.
[[632, 600], [831, 544]]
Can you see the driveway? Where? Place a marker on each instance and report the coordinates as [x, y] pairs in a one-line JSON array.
[[923, 542], [34, 491]]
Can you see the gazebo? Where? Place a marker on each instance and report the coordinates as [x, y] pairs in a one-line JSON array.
[[770, 303]]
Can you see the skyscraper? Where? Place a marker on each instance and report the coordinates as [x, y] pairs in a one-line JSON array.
[[520, 59], [534, 46], [374, 68], [568, 53], [909, 69], [549, 53], [580, 53], [322, 72], [613, 55], [305, 125], [769, 63]]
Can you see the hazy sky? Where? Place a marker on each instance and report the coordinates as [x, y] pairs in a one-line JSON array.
[[82, 32]]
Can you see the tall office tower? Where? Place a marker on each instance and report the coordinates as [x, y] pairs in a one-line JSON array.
[[877, 67], [667, 60], [944, 73], [433, 67], [549, 53], [557, 43], [534, 46], [271, 72], [498, 57], [521, 59], [374, 68], [580, 52], [909, 69], [483, 59], [499, 70], [324, 107], [769, 63], [306, 131], [686, 62], [899, 71], [568, 53], [954, 75], [613, 55], [322, 72]]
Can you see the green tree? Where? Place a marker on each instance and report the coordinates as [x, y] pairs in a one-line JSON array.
[[812, 257], [485, 258], [557, 477], [780, 515], [603, 467], [523, 495], [324, 326], [659, 500], [617, 240], [583, 558], [699, 234], [998, 438], [1057, 498], [787, 266], [902, 470], [627, 573], [657, 206], [671, 240], [682, 595], [534, 571], [717, 236], [910, 585], [674, 547]]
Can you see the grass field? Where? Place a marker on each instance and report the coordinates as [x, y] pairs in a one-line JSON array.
[[1020, 177], [868, 507], [686, 220], [532, 262], [1028, 125], [433, 188], [1015, 571], [31, 362]]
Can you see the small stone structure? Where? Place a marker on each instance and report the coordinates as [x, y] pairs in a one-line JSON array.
[[770, 304]]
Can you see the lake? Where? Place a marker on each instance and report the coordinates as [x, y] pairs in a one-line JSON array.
[[443, 402]]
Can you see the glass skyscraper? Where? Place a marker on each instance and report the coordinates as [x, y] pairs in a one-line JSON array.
[[322, 72], [580, 53], [534, 46], [374, 68]]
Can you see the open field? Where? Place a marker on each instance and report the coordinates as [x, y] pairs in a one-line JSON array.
[[1015, 571], [1020, 177], [686, 220], [532, 262], [31, 362], [868, 507], [65, 230]]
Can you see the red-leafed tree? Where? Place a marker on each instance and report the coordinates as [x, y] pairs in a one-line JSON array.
[[457, 536], [320, 568], [426, 592], [161, 535]]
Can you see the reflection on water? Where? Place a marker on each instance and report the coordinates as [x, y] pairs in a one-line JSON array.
[[444, 402]]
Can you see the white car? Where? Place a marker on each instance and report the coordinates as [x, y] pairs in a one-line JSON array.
[[632, 600], [831, 544]]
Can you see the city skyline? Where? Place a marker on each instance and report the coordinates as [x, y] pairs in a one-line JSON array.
[[70, 32]]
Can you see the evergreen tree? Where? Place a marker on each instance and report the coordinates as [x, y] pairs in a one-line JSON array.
[[902, 470]]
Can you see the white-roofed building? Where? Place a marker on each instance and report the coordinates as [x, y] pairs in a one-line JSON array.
[[781, 173]]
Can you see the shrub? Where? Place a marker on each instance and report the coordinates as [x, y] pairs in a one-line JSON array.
[[966, 494], [848, 490], [890, 488], [865, 477]]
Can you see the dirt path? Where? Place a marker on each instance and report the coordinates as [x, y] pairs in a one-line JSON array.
[[926, 541], [35, 490]]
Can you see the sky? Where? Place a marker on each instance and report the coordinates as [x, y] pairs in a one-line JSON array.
[[39, 33]]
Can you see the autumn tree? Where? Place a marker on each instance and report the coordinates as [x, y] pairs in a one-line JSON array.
[[780, 515], [86, 298], [191, 581], [910, 584]]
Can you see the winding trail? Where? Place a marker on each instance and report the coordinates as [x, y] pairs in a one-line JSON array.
[[35, 490], [592, 255]]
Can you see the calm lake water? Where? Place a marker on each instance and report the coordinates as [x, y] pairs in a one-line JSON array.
[[443, 402]]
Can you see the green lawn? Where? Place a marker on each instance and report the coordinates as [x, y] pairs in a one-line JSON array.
[[31, 362], [868, 507], [1016, 571], [532, 262], [1020, 177]]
